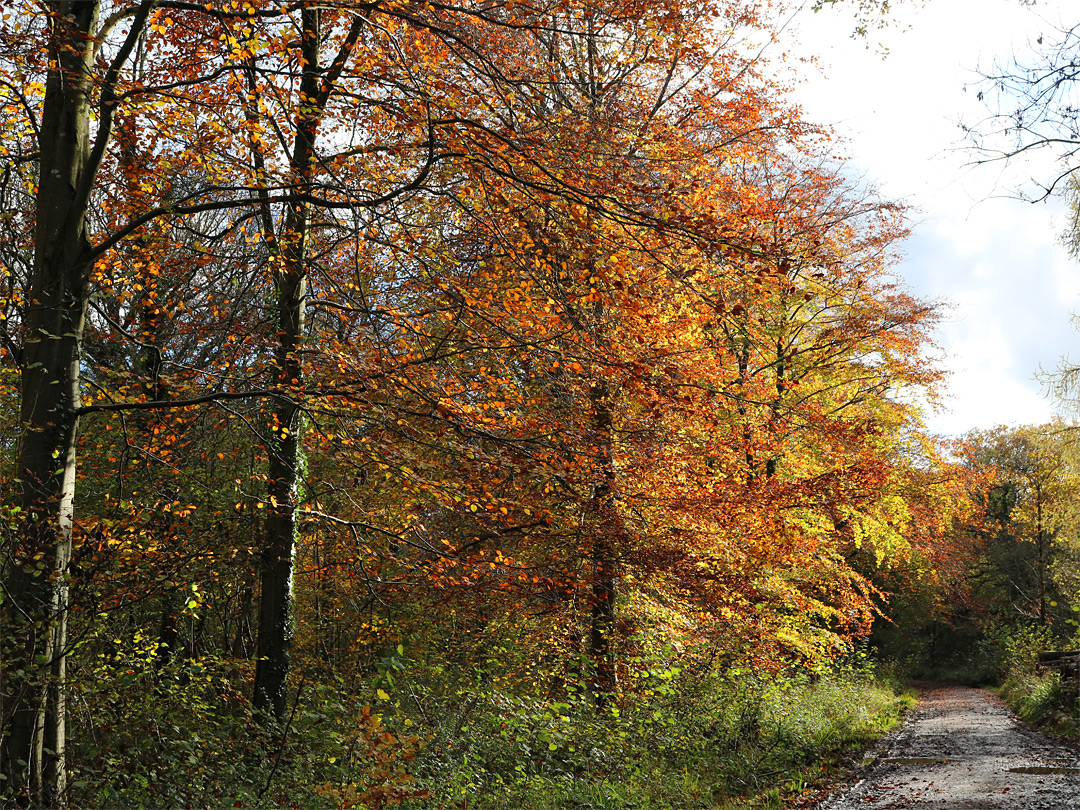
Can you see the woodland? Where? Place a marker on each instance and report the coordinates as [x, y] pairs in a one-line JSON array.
[[481, 404]]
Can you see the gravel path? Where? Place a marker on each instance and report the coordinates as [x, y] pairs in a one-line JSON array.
[[962, 749]]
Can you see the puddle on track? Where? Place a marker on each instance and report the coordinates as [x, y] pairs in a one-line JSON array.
[[1043, 770]]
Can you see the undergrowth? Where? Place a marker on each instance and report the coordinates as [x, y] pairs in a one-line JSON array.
[[689, 742], [1039, 698], [434, 737]]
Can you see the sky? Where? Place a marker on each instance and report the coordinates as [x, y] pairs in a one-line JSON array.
[[996, 263]]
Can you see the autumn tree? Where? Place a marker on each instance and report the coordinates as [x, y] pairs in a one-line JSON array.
[[52, 323], [77, 87], [556, 178], [457, 127], [1025, 489], [581, 320]]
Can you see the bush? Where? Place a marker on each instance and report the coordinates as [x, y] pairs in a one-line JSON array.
[[183, 735], [1040, 699], [177, 735], [680, 740]]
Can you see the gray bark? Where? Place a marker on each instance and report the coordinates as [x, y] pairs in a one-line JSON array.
[[34, 614], [36, 599]]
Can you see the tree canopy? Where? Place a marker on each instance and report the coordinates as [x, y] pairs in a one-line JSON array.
[[548, 342]]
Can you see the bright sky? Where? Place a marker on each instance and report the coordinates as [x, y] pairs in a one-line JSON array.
[[998, 261]]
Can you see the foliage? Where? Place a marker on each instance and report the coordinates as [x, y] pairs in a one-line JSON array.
[[1040, 698], [693, 740], [1044, 701], [148, 735], [505, 398], [183, 734], [1010, 552]]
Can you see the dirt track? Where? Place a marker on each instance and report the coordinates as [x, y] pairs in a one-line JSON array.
[[962, 749]]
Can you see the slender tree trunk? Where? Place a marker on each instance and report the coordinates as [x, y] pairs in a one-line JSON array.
[[285, 474], [243, 640], [743, 358], [1040, 538], [36, 600], [286, 467], [169, 630], [780, 368], [604, 555], [601, 648]]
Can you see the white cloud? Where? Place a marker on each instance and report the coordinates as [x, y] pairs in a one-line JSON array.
[[998, 261]]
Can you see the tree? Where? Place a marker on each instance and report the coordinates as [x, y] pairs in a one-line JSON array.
[[75, 67], [419, 128], [36, 598], [1027, 485]]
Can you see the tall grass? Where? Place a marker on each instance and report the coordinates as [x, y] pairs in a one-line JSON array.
[[699, 743], [1041, 699], [421, 736]]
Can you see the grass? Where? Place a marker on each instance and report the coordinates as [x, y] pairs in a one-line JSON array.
[[439, 738], [1044, 701], [734, 743]]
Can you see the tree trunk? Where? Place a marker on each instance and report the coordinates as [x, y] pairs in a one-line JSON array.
[[169, 631], [602, 624], [1040, 538], [780, 367], [36, 603], [286, 467], [601, 648]]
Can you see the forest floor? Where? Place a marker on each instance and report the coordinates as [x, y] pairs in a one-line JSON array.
[[963, 749]]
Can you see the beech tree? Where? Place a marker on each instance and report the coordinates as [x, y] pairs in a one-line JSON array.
[[457, 127], [553, 315], [74, 60], [52, 320]]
